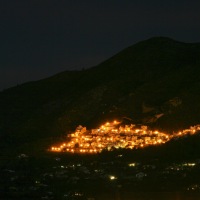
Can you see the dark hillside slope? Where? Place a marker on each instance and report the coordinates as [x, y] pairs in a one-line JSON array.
[[155, 82]]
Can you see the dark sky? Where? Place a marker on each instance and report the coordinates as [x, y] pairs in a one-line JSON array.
[[40, 38]]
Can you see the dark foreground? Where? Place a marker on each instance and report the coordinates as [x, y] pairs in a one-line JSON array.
[[113, 176]]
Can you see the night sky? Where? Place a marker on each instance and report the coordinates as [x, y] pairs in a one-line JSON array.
[[40, 38]]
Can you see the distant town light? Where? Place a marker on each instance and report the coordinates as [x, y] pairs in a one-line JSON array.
[[131, 164], [112, 177]]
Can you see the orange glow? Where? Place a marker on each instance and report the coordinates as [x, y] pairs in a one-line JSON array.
[[123, 137]]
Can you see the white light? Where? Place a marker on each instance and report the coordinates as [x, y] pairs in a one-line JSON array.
[[112, 177]]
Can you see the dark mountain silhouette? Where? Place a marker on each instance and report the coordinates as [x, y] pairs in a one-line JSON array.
[[154, 82]]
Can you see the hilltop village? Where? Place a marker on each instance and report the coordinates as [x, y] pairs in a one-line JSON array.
[[112, 135]]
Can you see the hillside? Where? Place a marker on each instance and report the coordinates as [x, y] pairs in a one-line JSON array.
[[154, 82]]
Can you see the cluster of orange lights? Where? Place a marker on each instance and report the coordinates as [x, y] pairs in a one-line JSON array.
[[109, 135]]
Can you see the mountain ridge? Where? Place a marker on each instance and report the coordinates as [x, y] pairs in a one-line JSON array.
[[158, 74]]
